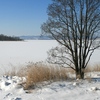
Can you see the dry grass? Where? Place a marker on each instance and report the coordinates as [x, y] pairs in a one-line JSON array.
[[94, 68], [89, 69], [14, 71], [37, 73]]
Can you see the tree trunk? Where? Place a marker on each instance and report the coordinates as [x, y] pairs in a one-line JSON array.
[[80, 74]]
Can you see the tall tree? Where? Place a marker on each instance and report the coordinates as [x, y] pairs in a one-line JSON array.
[[75, 24]]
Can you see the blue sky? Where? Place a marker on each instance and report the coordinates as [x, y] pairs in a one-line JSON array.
[[22, 17]]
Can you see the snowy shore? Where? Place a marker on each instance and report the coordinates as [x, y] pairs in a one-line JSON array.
[[17, 54], [11, 89]]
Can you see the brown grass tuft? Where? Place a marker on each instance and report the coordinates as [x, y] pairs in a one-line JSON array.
[[14, 71], [94, 68], [37, 73]]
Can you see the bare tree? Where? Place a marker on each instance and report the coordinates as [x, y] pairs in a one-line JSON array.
[[75, 24]]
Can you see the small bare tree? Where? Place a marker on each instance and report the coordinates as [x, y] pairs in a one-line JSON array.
[[75, 24], [60, 56]]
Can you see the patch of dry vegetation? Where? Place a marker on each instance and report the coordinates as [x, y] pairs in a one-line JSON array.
[[90, 70], [21, 72], [37, 73], [93, 68]]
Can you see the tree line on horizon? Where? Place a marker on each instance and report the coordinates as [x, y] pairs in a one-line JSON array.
[[9, 38]]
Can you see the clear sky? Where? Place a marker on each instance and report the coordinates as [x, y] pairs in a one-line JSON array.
[[22, 17]]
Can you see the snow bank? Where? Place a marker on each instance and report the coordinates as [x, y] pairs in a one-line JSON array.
[[11, 89], [11, 85]]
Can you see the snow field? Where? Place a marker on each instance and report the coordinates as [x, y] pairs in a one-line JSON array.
[[10, 89], [20, 53]]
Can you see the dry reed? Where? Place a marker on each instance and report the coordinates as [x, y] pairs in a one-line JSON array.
[[37, 73], [93, 68]]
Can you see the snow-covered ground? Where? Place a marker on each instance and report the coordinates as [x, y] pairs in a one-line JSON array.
[[11, 89], [16, 54]]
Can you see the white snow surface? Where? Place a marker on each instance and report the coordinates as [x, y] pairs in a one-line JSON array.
[[16, 53], [11, 89], [20, 53]]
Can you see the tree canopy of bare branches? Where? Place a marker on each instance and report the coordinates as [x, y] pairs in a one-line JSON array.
[[75, 24]]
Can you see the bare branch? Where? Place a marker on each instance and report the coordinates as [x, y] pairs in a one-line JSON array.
[[74, 24]]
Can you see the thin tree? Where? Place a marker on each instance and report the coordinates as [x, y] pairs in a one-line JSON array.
[[75, 24]]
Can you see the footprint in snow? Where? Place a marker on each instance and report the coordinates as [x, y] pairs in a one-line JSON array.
[[8, 95], [16, 98]]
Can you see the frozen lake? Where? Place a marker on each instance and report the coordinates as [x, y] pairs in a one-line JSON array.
[[21, 52]]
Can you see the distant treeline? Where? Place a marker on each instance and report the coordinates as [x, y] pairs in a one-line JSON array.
[[9, 38]]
